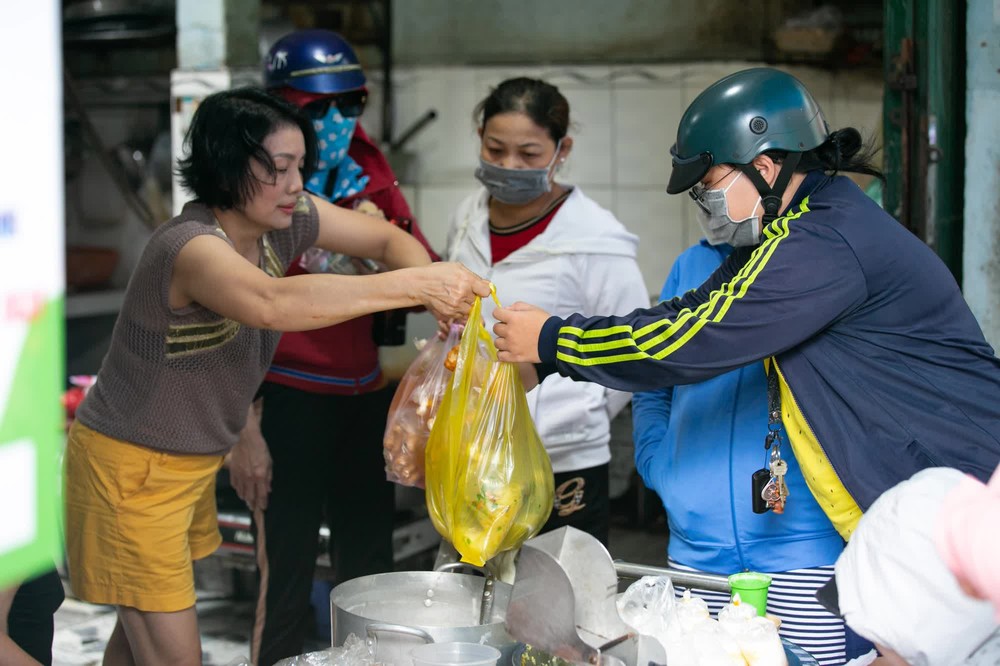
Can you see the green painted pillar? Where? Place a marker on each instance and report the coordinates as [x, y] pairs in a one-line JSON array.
[[897, 107], [924, 116], [940, 157]]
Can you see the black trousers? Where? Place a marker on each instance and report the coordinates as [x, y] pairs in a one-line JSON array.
[[582, 501], [30, 621], [327, 463]]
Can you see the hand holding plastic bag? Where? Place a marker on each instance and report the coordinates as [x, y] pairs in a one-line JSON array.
[[413, 410], [489, 479]]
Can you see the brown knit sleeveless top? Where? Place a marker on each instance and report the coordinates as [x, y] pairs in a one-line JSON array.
[[182, 380]]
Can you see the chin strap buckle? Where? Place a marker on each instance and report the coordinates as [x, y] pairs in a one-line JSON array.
[[771, 195]]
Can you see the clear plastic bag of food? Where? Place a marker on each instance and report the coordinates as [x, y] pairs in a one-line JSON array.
[[318, 260], [489, 478], [413, 409]]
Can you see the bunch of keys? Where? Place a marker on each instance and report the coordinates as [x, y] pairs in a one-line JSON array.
[[769, 488]]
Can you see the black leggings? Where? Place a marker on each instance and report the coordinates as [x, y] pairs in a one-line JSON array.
[[582, 501], [327, 463], [30, 621]]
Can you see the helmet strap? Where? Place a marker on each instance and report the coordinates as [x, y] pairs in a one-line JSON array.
[[771, 196]]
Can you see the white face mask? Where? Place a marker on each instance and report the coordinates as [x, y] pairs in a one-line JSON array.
[[713, 216]]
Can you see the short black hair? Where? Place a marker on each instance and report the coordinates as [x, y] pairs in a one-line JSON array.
[[227, 132], [540, 101]]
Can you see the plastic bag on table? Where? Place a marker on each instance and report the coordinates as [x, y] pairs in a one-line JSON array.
[[354, 652], [413, 409], [648, 606], [489, 479]]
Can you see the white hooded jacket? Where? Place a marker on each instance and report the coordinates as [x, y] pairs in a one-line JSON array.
[[583, 262]]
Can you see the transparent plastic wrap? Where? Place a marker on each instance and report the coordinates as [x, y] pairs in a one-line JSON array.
[[318, 260], [688, 633], [414, 408], [648, 606], [354, 652], [489, 478]]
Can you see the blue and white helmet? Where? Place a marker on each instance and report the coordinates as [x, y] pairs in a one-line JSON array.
[[314, 61]]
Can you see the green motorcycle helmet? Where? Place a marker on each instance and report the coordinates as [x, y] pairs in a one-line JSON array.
[[741, 116]]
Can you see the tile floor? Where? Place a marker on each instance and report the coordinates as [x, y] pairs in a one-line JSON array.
[[83, 629]]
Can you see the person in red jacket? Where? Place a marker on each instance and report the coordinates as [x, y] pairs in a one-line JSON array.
[[317, 452]]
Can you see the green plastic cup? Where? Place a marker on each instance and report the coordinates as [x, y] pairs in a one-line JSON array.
[[752, 588]]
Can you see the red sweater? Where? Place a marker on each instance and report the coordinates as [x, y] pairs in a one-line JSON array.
[[343, 359]]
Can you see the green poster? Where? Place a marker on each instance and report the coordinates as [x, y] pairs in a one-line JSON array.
[[31, 423]]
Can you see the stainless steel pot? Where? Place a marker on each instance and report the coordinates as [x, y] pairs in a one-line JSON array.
[[395, 612]]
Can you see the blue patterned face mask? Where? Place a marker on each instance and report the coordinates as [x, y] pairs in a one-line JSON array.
[[334, 133]]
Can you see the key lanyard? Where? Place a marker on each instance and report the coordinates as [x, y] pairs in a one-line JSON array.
[[773, 491]]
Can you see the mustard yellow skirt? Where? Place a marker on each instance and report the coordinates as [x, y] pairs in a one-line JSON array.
[[136, 519]]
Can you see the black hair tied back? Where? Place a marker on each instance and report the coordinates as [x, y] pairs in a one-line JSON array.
[[845, 151], [540, 101]]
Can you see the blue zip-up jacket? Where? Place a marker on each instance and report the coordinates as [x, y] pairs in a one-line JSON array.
[[697, 446], [884, 370]]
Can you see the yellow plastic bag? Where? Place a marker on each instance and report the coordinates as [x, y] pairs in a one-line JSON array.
[[489, 479]]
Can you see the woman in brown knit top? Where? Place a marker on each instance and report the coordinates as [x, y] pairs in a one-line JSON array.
[[201, 319]]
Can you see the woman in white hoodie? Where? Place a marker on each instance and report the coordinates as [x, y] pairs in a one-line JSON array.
[[548, 243]]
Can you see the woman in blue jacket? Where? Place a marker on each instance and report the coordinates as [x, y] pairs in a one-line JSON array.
[[697, 446], [879, 366]]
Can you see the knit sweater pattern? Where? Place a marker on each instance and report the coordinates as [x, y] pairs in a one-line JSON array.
[[181, 381]]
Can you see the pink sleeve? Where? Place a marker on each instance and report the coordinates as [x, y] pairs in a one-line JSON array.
[[967, 537]]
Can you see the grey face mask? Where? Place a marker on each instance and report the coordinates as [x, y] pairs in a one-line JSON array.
[[719, 228], [515, 186]]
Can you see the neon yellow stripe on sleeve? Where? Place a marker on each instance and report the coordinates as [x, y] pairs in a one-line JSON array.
[[600, 360], [673, 326], [713, 310]]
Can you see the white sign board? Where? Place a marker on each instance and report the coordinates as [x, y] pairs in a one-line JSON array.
[[31, 287]]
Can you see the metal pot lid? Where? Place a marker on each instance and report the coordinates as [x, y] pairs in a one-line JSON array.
[[420, 598]]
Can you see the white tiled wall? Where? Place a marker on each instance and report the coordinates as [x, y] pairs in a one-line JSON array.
[[434, 206], [624, 119]]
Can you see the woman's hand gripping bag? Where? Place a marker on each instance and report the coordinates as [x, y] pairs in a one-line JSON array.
[[414, 408], [489, 479]]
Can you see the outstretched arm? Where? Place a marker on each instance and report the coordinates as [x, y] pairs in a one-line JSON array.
[[791, 287], [210, 272]]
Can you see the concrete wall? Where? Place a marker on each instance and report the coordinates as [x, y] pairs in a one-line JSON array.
[[597, 31], [217, 33], [981, 257]]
